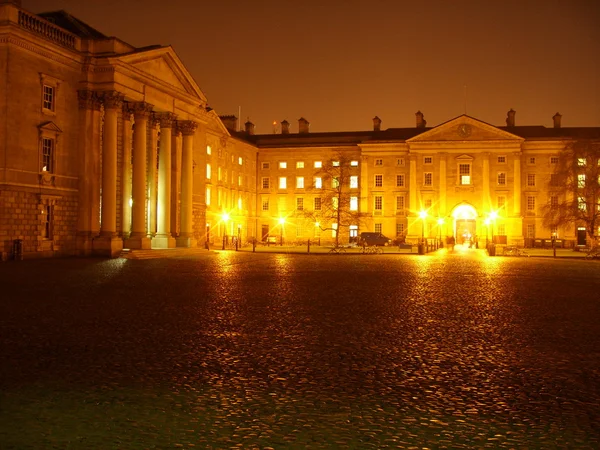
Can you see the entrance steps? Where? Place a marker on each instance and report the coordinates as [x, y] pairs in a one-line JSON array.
[[159, 253]]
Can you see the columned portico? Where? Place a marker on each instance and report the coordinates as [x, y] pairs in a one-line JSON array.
[[185, 239], [139, 237], [126, 172], [108, 243], [163, 238], [517, 185]]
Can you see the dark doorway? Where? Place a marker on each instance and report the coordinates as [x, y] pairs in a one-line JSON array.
[[264, 232], [581, 236]]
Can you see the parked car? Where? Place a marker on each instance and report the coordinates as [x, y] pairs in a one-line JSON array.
[[369, 239]]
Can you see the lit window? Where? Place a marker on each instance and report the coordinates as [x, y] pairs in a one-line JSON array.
[[265, 165], [379, 162], [581, 180], [208, 150], [428, 179], [207, 195], [501, 178], [353, 203], [500, 201], [48, 102], [353, 181], [554, 160], [240, 203], [299, 203], [299, 164], [378, 180], [47, 155], [335, 183], [531, 179], [317, 203], [335, 203], [240, 180], [581, 203], [318, 182], [399, 180], [240, 160], [318, 164], [282, 165], [208, 171], [464, 171], [427, 160], [299, 182], [265, 204], [219, 173], [378, 203], [581, 162], [354, 163], [501, 159], [334, 227], [336, 164], [282, 182]]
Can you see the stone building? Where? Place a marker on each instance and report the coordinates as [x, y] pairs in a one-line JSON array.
[[105, 146]]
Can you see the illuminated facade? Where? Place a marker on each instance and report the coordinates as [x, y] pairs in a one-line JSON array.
[[105, 146]]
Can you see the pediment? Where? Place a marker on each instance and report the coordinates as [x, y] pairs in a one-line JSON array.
[[464, 128], [163, 64], [49, 127], [464, 157]]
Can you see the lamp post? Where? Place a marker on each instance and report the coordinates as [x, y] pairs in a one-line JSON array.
[[281, 222], [487, 226], [492, 247], [317, 225], [440, 223], [225, 218], [423, 216]]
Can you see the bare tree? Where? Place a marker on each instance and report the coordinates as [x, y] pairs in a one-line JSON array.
[[574, 189], [338, 205]]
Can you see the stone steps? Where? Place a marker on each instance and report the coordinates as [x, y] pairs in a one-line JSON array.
[[157, 253]]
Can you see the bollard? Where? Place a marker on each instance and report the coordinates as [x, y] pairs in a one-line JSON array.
[[308, 246], [18, 250], [253, 245]]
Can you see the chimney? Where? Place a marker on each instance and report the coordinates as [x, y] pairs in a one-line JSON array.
[[249, 127], [376, 124], [510, 118], [303, 125], [421, 122], [556, 117], [285, 127], [230, 122]]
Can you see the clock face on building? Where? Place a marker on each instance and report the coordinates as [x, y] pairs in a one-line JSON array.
[[464, 130]]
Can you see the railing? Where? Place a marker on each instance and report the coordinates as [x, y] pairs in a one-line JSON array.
[[46, 29]]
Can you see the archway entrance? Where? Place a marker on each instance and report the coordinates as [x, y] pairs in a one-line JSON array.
[[465, 224]]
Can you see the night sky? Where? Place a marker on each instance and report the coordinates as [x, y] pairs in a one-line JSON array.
[[340, 63]]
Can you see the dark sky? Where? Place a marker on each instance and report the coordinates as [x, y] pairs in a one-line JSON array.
[[339, 63]]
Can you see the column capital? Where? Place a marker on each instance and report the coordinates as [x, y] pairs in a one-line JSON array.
[[127, 110], [187, 127], [142, 109], [166, 119], [111, 99], [88, 100]]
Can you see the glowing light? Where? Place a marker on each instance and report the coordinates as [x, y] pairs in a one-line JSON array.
[[281, 221], [130, 202], [440, 221], [225, 217], [493, 215], [423, 215]]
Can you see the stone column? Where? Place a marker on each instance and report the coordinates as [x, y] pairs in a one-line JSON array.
[[185, 239], [126, 171], [517, 185], [414, 222], [364, 186], [139, 237], [109, 244], [88, 223], [486, 200], [175, 180], [163, 237], [152, 174], [442, 208]]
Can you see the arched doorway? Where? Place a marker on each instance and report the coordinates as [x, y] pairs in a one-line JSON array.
[[465, 223]]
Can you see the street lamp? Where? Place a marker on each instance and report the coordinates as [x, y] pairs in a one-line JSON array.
[[423, 216], [487, 226], [440, 223], [225, 219], [281, 222], [493, 217], [318, 225]]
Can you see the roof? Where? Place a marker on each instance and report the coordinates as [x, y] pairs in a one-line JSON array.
[[72, 24]]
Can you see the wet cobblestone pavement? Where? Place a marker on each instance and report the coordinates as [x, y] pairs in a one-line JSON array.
[[242, 350]]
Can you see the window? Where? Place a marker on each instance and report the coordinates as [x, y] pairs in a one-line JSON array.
[[378, 203], [282, 182], [240, 204], [501, 178], [399, 229], [502, 159], [581, 162], [318, 164], [266, 182], [464, 171], [554, 160], [500, 201], [554, 231], [335, 203], [354, 181], [428, 179], [299, 164], [208, 150], [265, 203], [317, 231], [531, 204], [400, 162], [335, 164], [335, 183], [299, 230], [501, 229], [207, 195], [379, 162], [581, 204], [334, 227], [208, 171], [427, 203], [299, 182], [48, 155], [318, 182], [377, 228], [553, 179], [300, 204], [531, 160], [427, 160], [531, 179], [282, 165], [581, 180], [554, 202], [265, 165], [400, 204], [354, 163], [531, 230], [47, 222], [219, 173], [353, 203], [240, 180], [399, 180], [48, 103], [317, 203], [378, 180]]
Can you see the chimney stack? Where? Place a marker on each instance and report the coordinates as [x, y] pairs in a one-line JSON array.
[[556, 119], [421, 122], [230, 122], [285, 127], [510, 118], [376, 124], [303, 125], [249, 127]]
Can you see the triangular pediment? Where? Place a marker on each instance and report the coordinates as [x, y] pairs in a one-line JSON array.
[[50, 127], [164, 65], [464, 128]]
